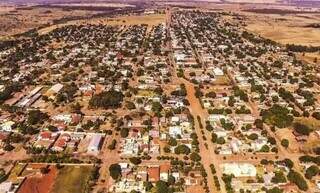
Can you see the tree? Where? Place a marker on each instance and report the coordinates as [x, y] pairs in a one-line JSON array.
[[195, 157], [258, 123], [301, 128], [156, 108], [8, 147], [108, 99], [36, 116], [277, 116], [214, 137], [44, 170], [288, 162], [162, 187], [312, 171], [148, 186], [316, 115], [265, 148], [274, 190], [124, 132], [221, 140], [253, 136], [115, 171], [172, 141], [135, 160], [182, 149], [297, 179], [285, 143], [209, 127], [279, 177]]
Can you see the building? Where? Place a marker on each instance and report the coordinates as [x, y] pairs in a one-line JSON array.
[[154, 173], [94, 145], [239, 169], [6, 187]]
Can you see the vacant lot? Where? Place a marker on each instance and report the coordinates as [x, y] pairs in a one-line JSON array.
[[72, 179]]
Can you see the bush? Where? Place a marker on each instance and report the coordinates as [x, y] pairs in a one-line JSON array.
[[285, 143]]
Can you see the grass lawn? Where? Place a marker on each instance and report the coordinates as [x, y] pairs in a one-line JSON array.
[[72, 179]]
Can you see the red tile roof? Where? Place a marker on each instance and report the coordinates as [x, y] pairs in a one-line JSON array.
[[154, 173]]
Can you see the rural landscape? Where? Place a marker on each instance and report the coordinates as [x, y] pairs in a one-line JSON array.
[[162, 96]]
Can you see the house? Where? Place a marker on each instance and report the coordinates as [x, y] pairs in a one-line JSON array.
[[218, 72], [259, 143], [6, 187], [7, 126], [47, 136], [153, 173], [164, 172], [3, 137], [128, 186], [239, 169], [59, 145], [174, 131], [54, 90]]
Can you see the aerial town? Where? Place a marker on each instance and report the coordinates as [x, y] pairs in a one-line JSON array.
[[190, 102]]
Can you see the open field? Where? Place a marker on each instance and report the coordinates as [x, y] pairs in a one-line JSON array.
[[72, 179], [15, 20], [150, 20], [310, 57], [286, 29]]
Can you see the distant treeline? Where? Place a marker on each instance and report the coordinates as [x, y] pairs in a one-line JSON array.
[[313, 25], [256, 39], [301, 48], [278, 11]]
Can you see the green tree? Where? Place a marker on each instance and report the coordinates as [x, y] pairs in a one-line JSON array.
[[297, 179], [312, 171], [115, 171], [195, 157], [124, 132]]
